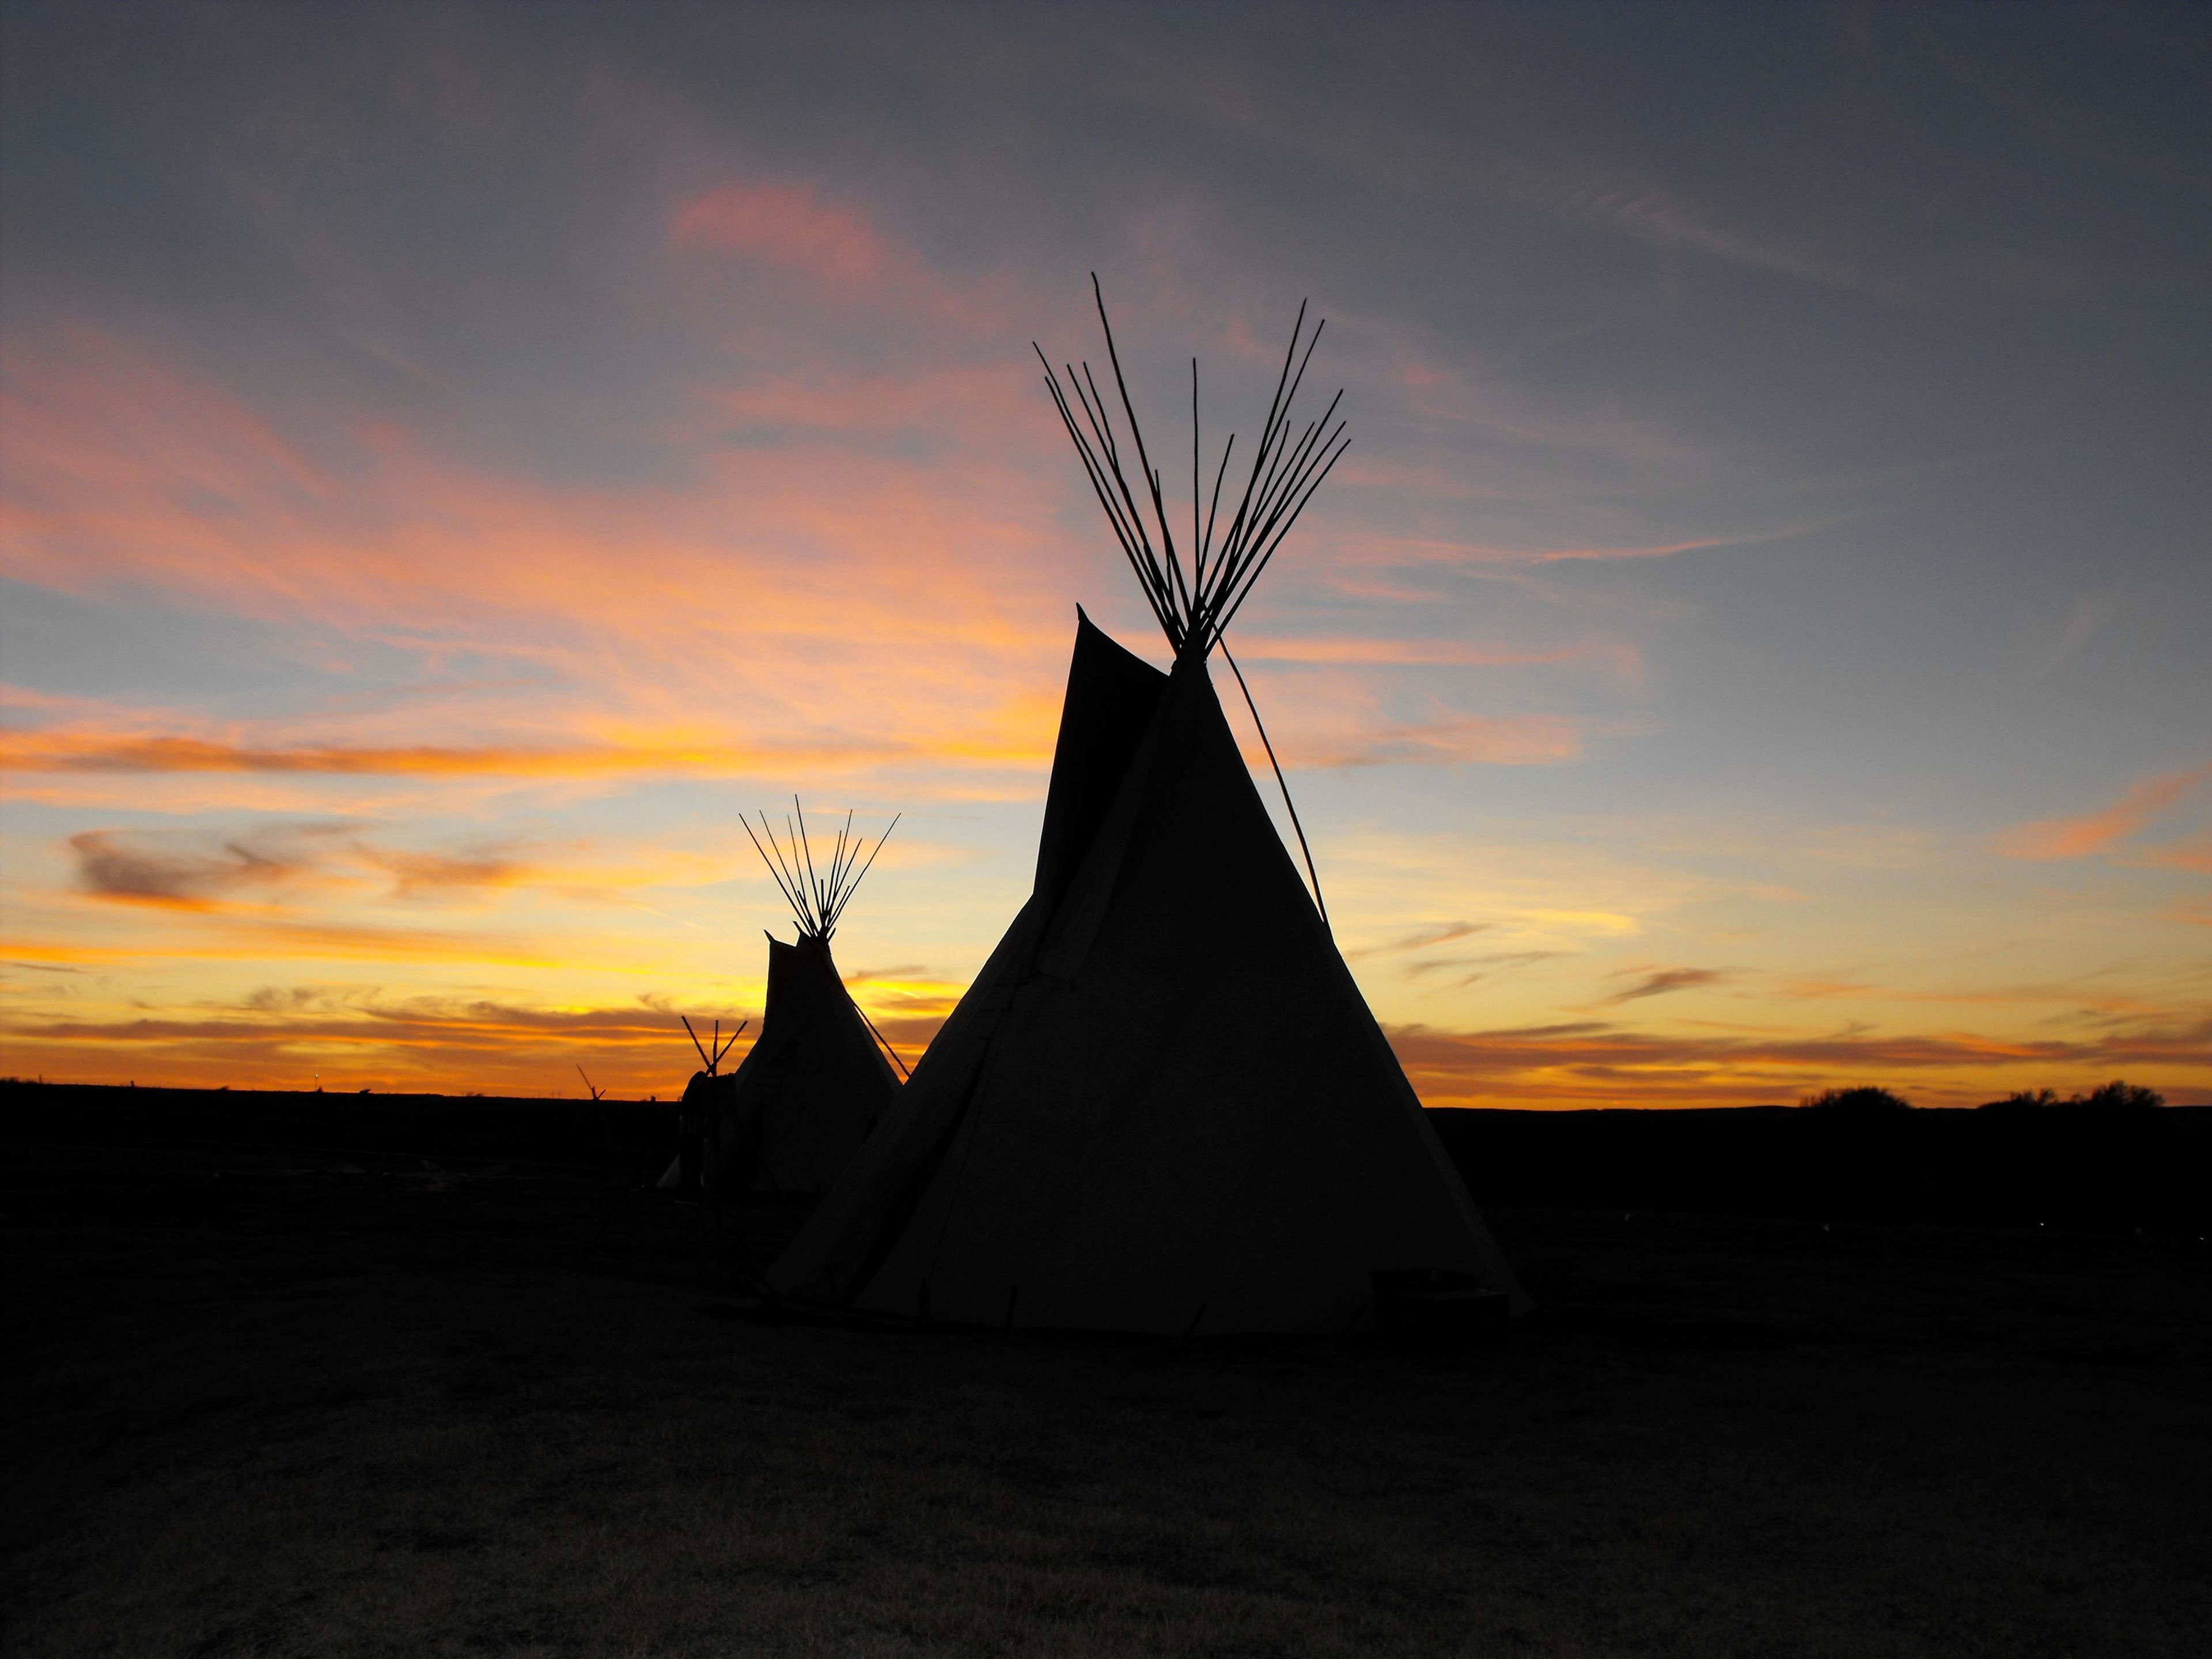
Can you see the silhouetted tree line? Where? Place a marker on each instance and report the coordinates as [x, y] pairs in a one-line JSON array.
[[2116, 1096], [627, 1136], [2116, 1158]]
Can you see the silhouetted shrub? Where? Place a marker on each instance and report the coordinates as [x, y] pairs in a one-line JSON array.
[[2021, 1100], [1865, 1098], [2119, 1097]]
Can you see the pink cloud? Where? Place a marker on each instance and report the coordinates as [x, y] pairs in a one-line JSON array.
[[2097, 832], [2194, 855], [810, 596], [829, 601], [787, 224], [769, 261]]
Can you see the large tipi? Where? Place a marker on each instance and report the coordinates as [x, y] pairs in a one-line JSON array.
[[1163, 1104], [816, 1082]]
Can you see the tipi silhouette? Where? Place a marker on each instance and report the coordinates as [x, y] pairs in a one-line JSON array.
[[1163, 1104], [814, 1084]]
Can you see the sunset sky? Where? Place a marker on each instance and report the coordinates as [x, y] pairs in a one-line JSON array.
[[455, 460]]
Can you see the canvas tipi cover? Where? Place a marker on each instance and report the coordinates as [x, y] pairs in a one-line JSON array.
[[814, 1085], [1163, 1104], [790, 1116]]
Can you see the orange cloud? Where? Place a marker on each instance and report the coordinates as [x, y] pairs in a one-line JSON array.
[[825, 588], [415, 873], [251, 940], [1811, 988], [1591, 1063], [2194, 855], [829, 601], [79, 752], [2097, 832]]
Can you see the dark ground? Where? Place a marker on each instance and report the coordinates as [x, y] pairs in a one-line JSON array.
[[345, 1402]]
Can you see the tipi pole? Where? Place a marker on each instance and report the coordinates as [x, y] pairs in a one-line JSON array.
[[1311, 874], [694, 1035], [879, 1036]]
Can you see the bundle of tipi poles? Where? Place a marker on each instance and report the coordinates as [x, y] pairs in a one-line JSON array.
[[817, 899], [1194, 606]]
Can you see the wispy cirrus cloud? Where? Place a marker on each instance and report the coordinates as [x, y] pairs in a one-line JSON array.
[[1834, 252], [1463, 969], [1473, 969], [1458, 551], [1421, 939], [2143, 804], [1663, 220], [1659, 982], [416, 874]]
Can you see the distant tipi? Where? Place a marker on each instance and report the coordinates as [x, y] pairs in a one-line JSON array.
[[1163, 1104], [816, 1083]]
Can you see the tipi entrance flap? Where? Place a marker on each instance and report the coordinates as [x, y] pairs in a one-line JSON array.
[[1090, 888], [1111, 694]]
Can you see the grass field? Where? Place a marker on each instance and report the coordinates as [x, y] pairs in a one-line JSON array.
[[261, 1403]]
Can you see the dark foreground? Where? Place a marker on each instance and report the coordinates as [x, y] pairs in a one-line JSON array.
[[268, 1402]]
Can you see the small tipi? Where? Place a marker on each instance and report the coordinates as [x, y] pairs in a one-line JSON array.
[[816, 1082], [1163, 1104]]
